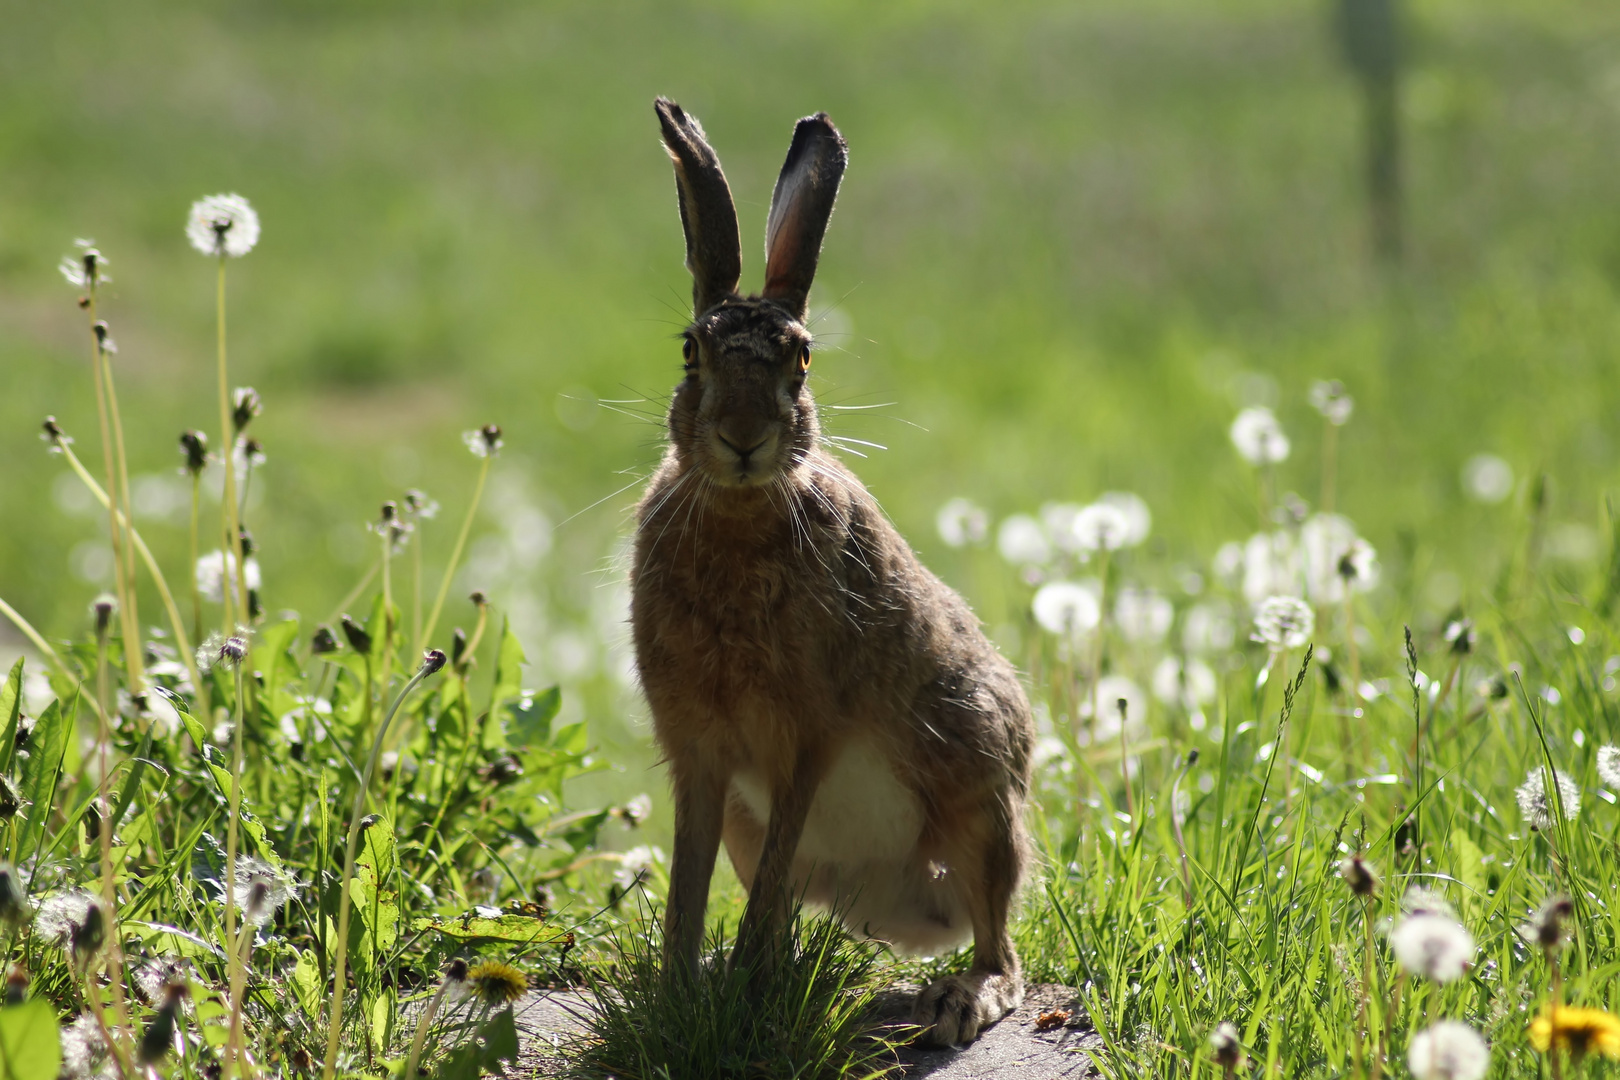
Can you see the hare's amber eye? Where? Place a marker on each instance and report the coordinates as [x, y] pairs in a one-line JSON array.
[[688, 350], [804, 359]]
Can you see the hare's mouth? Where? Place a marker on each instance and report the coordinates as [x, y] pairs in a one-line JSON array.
[[744, 462]]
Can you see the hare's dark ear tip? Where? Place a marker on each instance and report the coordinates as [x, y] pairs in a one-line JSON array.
[[820, 126]]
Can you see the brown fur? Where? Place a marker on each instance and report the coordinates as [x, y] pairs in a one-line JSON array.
[[786, 635]]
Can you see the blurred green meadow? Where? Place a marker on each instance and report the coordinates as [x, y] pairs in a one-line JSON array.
[[1073, 242]]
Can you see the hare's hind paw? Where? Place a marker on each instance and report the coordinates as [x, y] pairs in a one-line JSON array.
[[955, 1009]]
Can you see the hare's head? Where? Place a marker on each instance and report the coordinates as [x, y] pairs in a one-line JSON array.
[[742, 416]]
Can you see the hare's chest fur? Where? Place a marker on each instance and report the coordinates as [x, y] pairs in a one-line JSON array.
[[861, 812]]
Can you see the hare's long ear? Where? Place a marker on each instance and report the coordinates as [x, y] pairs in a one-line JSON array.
[[713, 250], [800, 207]]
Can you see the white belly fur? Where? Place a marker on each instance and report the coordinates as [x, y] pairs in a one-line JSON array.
[[858, 855], [861, 812]]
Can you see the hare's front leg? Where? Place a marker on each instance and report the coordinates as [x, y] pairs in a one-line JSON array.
[[953, 1010], [700, 801], [768, 896]]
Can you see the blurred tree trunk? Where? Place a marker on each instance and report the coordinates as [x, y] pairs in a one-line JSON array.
[[1369, 35]]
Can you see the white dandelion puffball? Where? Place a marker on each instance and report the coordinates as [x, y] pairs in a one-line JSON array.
[[1284, 622], [1450, 1050], [1101, 527], [962, 522], [1022, 541], [1270, 566], [635, 864], [1258, 436], [1608, 765], [223, 225], [1138, 518], [1143, 615], [1066, 608], [1435, 946], [1057, 519], [1487, 478], [1205, 629], [1328, 398], [1189, 685], [1101, 707], [261, 889], [1535, 806], [212, 569], [1337, 561]]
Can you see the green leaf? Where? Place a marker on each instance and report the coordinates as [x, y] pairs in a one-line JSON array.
[[40, 772], [306, 983], [382, 1019], [1470, 869], [495, 1041], [219, 768], [510, 929], [30, 1048], [373, 886], [10, 710], [508, 668], [531, 716]]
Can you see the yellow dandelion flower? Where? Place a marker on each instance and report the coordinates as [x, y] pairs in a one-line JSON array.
[[1577, 1032], [497, 983]]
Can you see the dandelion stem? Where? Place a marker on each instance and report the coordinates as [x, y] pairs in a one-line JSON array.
[[181, 639], [227, 443], [109, 888], [1362, 1031], [233, 1055], [1330, 464], [345, 902], [122, 586], [455, 553], [196, 596], [419, 1040], [134, 662]]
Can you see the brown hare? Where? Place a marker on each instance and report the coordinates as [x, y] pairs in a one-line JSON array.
[[827, 707]]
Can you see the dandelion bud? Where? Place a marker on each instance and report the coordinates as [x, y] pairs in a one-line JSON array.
[[246, 406], [1358, 874], [324, 641], [16, 985], [1546, 928], [158, 1038], [1225, 1047], [104, 339], [234, 651], [359, 640], [194, 445], [456, 971], [86, 938], [390, 511], [479, 598], [1460, 636], [433, 660], [13, 899], [53, 432], [1192, 757], [485, 442], [92, 821], [103, 607], [245, 538], [458, 646], [255, 607]]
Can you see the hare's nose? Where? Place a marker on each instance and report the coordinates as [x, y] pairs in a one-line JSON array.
[[743, 451]]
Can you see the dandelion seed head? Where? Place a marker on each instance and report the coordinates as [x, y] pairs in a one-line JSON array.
[[1138, 518], [962, 522], [1189, 684], [216, 571], [1545, 930], [84, 1050], [1259, 437], [1434, 946], [54, 436], [261, 890], [637, 810], [1487, 478], [1284, 622], [1022, 542], [1358, 873], [1449, 1050], [1459, 635], [1536, 806], [635, 864], [485, 442], [1328, 397], [419, 505], [223, 225], [1100, 527], [1066, 608], [1608, 765], [1143, 615]]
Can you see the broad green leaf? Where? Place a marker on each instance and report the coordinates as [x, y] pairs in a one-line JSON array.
[[306, 983], [382, 1019], [30, 1048], [280, 667], [373, 886], [531, 716], [219, 768], [509, 663], [10, 710], [512, 929], [39, 773], [1469, 869]]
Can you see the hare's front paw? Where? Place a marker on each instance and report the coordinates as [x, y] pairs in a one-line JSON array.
[[955, 1009]]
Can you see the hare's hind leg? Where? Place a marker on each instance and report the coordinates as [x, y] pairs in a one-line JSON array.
[[953, 1010], [700, 798]]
